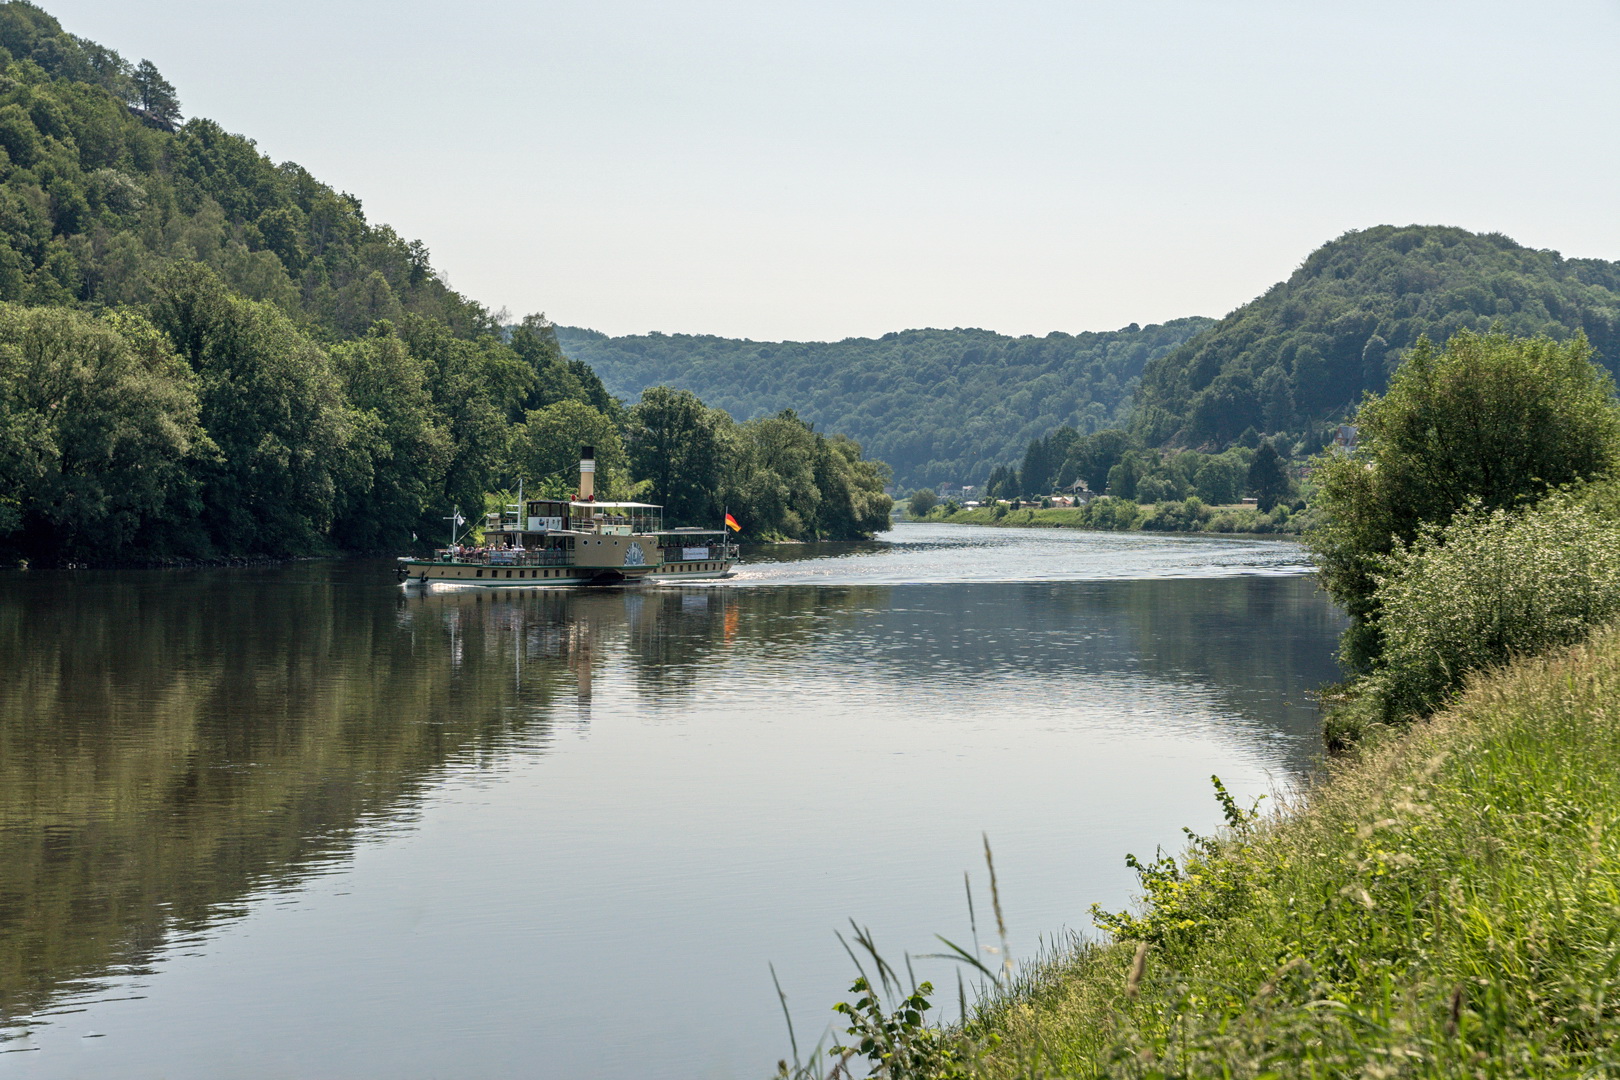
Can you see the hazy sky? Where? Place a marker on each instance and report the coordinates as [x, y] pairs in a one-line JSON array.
[[822, 170]]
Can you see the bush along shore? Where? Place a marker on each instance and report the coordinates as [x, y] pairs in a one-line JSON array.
[[1443, 899], [1111, 514]]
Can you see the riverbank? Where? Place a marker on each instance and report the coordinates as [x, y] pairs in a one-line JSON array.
[[1122, 515], [1444, 905]]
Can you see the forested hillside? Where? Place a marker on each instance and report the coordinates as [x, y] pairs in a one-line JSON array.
[[207, 354], [1297, 359], [937, 405]]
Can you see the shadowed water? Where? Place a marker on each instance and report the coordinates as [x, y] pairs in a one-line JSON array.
[[298, 821]]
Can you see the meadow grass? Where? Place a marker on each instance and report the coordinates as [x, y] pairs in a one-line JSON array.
[[1446, 904]]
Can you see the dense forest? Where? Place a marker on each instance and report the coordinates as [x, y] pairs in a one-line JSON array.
[[940, 406], [1296, 360], [206, 354]]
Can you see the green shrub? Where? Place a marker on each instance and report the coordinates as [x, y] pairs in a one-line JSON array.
[[1110, 512], [1187, 515], [1489, 587]]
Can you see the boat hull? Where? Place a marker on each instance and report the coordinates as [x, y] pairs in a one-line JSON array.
[[422, 572]]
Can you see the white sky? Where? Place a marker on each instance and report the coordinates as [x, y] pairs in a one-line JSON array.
[[823, 170]]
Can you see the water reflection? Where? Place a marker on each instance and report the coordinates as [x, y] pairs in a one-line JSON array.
[[174, 745]]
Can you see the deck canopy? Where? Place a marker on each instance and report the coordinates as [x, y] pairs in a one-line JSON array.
[[616, 505]]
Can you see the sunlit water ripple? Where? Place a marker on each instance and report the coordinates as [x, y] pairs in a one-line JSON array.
[[296, 821]]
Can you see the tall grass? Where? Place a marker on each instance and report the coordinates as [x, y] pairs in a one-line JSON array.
[[1446, 905]]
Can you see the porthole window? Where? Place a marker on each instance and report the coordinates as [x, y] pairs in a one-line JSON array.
[[479, 574]]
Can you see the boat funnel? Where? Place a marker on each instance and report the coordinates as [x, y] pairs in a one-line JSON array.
[[587, 473]]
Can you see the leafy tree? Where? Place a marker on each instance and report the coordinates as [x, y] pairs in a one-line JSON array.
[[556, 377], [1221, 479], [853, 503], [922, 501], [273, 405], [1268, 477], [1093, 457], [775, 474], [99, 436], [545, 449], [401, 442], [684, 449], [1302, 354], [1123, 477], [1153, 489], [1489, 420]]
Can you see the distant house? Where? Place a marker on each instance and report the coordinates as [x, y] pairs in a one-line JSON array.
[[1080, 494], [1344, 440]]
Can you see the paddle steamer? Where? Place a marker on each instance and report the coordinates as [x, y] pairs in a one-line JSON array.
[[578, 541]]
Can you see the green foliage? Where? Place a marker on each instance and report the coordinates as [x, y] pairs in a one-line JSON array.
[[1112, 513], [939, 405], [921, 502], [1489, 418], [1188, 515], [1442, 907], [1268, 477], [777, 474], [545, 450], [685, 450], [1182, 901], [1486, 588], [1297, 359], [792, 481], [898, 1042], [273, 405], [99, 433], [402, 445]]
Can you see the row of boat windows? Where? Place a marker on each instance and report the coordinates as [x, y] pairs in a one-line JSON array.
[[563, 573]]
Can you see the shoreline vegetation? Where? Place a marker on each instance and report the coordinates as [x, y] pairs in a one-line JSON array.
[[1111, 514], [206, 356], [1443, 898]]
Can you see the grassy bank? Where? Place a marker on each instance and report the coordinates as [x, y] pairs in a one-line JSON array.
[[1121, 515], [1448, 904]]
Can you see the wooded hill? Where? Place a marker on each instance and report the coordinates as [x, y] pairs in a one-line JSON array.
[[206, 354], [937, 405], [1297, 359]]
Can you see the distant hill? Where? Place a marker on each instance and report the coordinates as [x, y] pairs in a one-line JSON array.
[[1299, 357], [937, 405]]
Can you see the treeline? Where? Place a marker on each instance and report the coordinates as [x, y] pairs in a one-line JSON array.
[[1298, 359], [100, 191], [1117, 463], [1479, 522], [207, 355], [207, 425], [779, 476], [1471, 559], [938, 405]]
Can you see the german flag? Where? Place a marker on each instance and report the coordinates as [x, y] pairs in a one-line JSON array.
[[731, 523]]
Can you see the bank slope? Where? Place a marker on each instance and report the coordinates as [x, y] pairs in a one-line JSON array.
[[1446, 904], [940, 406]]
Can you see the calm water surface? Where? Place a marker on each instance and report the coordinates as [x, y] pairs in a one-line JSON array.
[[297, 822]]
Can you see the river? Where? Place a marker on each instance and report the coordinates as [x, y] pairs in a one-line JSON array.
[[299, 822]]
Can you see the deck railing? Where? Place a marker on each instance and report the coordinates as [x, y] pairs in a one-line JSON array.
[[504, 557]]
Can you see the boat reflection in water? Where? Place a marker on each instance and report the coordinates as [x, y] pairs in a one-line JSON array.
[[175, 748]]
